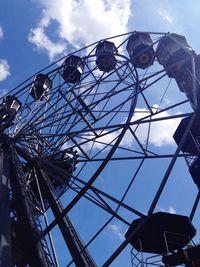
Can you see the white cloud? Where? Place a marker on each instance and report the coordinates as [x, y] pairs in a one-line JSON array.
[[4, 69], [43, 43], [1, 33], [161, 132], [4, 66], [165, 15], [108, 138], [80, 22], [117, 231], [170, 209]]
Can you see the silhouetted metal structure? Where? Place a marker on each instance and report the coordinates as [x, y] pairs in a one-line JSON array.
[[80, 156]]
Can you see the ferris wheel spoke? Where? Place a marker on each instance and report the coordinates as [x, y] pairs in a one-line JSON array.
[[101, 203], [111, 198]]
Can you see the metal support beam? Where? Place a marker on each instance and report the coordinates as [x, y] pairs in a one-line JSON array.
[[5, 226], [80, 256], [26, 228]]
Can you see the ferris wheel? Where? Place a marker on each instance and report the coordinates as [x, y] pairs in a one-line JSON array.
[[92, 147]]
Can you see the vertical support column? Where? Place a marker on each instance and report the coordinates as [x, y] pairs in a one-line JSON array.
[[81, 256], [194, 85], [33, 253], [5, 227]]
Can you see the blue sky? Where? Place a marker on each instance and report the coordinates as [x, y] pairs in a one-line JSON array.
[[35, 33], [39, 29]]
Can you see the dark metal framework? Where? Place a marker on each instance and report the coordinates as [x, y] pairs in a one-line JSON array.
[[119, 168]]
